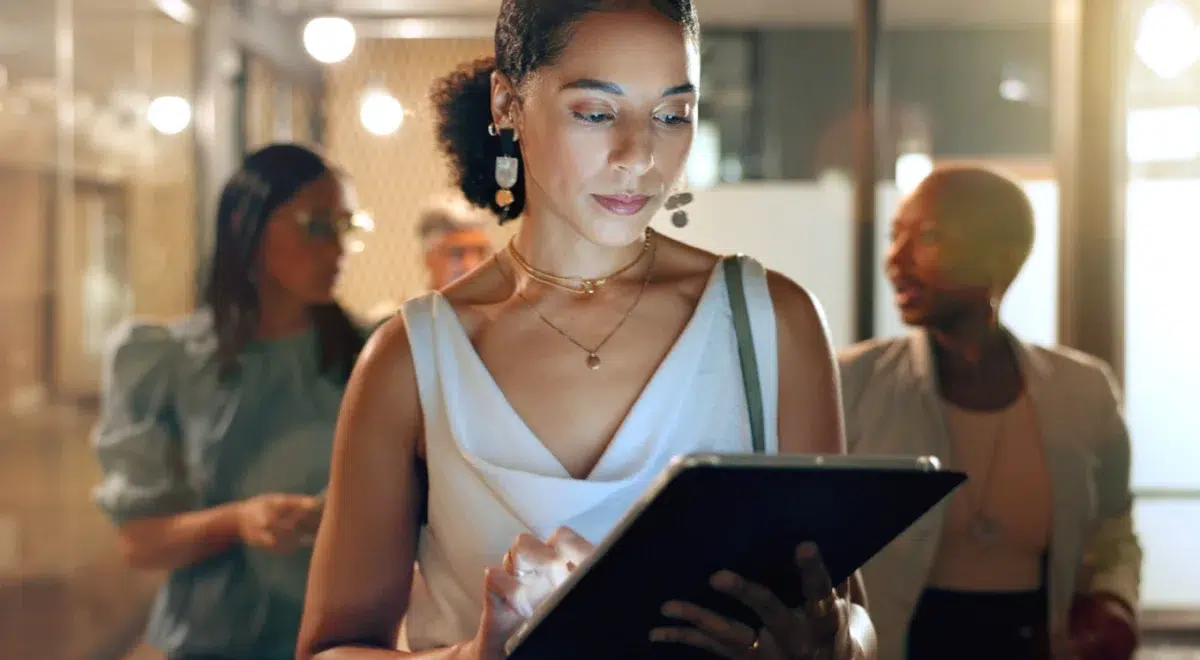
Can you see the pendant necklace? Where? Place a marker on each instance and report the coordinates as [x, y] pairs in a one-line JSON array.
[[593, 354], [986, 527]]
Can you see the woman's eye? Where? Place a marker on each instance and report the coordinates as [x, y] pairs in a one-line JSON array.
[[672, 119], [593, 117]]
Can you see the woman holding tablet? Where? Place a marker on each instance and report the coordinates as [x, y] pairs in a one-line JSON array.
[[547, 388], [1040, 538]]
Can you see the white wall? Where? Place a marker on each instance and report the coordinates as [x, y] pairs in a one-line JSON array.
[[800, 230], [804, 230]]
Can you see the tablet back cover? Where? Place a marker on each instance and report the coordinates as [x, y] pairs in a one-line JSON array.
[[748, 520]]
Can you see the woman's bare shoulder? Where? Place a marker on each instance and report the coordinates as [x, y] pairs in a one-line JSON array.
[[683, 265], [476, 296], [798, 313]]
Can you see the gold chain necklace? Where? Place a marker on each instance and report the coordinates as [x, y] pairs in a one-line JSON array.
[[575, 284], [593, 354]]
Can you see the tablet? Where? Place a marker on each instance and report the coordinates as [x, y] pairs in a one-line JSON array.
[[745, 513]]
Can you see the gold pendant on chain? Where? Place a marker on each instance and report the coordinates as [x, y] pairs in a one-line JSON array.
[[987, 529], [593, 361]]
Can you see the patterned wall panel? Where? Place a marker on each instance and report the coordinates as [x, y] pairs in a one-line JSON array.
[[261, 103], [394, 175]]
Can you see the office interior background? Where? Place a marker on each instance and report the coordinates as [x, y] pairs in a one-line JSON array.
[[119, 120]]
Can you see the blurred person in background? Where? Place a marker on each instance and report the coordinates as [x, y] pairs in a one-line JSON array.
[[1035, 555], [454, 240], [216, 429]]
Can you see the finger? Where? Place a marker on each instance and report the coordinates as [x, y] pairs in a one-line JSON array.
[[501, 584], [528, 554], [697, 639], [722, 629], [306, 502], [570, 546], [287, 512], [774, 614], [499, 620], [301, 506], [815, 581], [820, 601], [518, 595], [264, 539], [283, 524], [528, 546]]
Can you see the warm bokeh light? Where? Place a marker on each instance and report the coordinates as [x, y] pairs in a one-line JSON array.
[[169, 115], [380, 113], [1166, 38], [329, 39]]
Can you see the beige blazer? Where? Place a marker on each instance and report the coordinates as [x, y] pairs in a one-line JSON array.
[[892, 407]]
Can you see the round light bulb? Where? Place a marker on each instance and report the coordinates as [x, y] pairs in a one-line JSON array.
[[380, 113], [329, 39], [1166, 39], [169, 115], [1012, 89]]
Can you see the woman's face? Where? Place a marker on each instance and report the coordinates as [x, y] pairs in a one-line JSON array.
[[605, 131], [302, 244]]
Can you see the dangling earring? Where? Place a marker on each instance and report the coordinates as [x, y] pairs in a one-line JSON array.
[[676, 203], [507, 165]]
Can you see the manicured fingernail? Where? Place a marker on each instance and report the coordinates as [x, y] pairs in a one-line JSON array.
[[671, 608], [807, 550], [659, 635]]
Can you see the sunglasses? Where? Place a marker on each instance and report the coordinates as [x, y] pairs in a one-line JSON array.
[[330, 227]]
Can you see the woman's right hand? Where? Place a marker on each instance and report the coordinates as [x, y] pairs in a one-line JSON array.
[[530, 571], [276, 522]]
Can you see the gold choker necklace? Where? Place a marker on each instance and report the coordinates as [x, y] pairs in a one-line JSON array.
[[575, 284], [593, 353]]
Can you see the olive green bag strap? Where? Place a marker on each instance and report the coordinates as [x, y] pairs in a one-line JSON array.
[[745, 345]]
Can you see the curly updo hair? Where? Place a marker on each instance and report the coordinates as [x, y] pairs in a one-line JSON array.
[[530, 34]]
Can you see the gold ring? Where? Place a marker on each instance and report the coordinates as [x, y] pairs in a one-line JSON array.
[[824, 607]]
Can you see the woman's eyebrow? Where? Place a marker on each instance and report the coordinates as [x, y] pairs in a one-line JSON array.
[[616, 90]]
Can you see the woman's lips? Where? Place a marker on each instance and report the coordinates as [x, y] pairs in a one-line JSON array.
[[622, 204]]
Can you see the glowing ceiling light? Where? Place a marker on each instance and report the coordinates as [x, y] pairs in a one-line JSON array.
[[169, 115], [329, 39], [1166, 38], [380, 113]]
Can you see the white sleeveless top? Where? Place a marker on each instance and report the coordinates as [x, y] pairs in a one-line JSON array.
[[491, 479]]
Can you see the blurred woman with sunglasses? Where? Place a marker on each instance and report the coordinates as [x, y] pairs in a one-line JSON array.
[[216, 430]]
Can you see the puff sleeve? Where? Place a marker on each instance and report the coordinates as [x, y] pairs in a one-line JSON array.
[[137, 438]]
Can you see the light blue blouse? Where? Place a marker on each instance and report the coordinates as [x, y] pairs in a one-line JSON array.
[[174, 437]]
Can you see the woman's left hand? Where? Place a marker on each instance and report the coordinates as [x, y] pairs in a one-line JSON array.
[[818, 631]]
